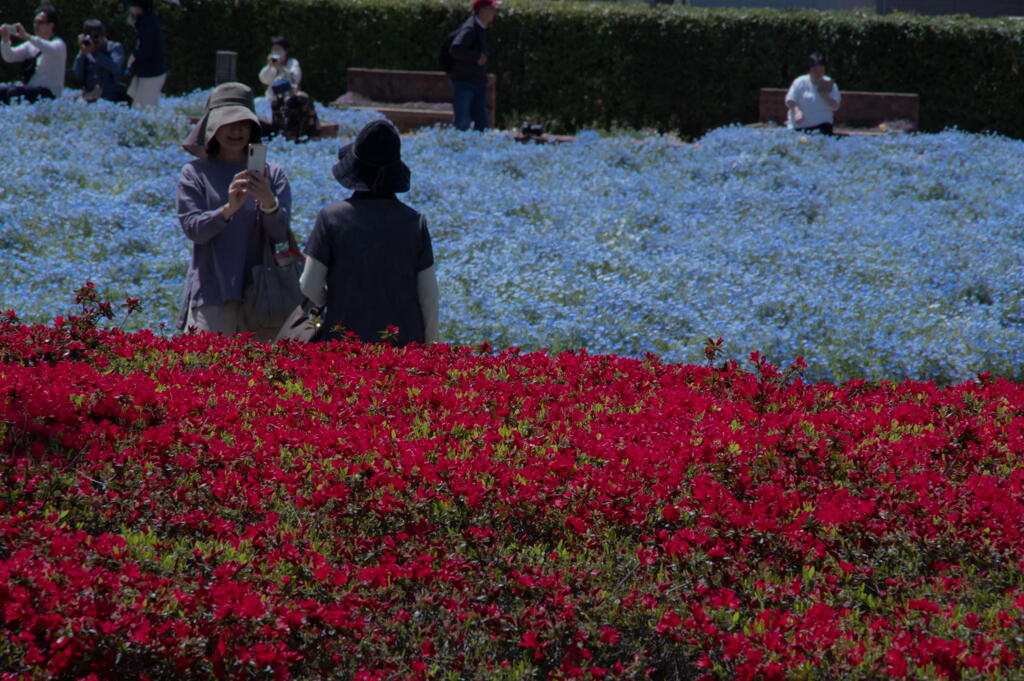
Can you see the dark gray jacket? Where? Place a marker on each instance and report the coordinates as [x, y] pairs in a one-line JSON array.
[[374, 247], [470, 42]]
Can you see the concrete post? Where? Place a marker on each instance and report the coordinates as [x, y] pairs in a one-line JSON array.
[[227, 64]]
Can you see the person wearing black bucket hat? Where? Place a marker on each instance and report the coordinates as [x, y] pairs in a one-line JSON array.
[[369, 258], [221, 207]]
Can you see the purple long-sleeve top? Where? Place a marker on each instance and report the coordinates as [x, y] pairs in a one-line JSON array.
[[224, 252]]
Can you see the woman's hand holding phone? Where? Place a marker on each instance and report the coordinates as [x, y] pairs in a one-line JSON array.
[[261, 189], [242, 185], [255, 180], [260, 174], [238, 192]]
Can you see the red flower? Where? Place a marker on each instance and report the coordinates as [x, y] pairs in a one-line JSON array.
[[669, 621], [576, 524]]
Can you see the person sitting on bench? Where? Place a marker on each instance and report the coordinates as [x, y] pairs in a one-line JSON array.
[[813, 99], [280, 65]]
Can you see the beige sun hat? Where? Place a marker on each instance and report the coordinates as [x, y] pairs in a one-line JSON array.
[[228, 103]]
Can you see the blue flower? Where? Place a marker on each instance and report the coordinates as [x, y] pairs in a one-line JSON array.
[[882, 257]]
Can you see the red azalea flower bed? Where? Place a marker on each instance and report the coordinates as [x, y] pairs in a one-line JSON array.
[[203, 508]]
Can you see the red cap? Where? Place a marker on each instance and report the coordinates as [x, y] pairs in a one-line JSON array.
[[476, 4]]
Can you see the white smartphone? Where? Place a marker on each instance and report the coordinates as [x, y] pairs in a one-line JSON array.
[[257, 159]]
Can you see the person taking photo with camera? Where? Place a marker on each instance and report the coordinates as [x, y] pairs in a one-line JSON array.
[[280, 66], [99, 64], [43, 57], [222, 208]]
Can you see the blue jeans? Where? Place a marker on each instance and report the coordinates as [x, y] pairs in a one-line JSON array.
[[469, 100]]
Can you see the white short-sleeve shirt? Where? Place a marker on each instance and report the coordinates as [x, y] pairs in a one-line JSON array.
[[814, 108]]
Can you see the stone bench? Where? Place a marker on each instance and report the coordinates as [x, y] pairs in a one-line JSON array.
[[857, 110], [409, 99]]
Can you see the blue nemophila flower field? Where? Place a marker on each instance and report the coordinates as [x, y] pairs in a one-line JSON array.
[[880, 257]]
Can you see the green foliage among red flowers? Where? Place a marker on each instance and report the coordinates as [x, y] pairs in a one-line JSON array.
[[208, 508]]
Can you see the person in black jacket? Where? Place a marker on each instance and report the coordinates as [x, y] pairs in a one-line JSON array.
[[469, 53], [147, 64]]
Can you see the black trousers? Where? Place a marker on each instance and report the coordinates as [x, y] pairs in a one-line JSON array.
[[29, 94], [824, 128]]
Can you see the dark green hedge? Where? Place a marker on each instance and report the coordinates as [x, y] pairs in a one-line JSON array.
[[572, 64]]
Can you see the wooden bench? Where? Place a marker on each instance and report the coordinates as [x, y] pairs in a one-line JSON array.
[[409, 99], [897, 110], [328, 130]]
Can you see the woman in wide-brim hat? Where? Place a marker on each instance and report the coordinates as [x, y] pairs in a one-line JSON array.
[[369, 258], [221, 207]]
